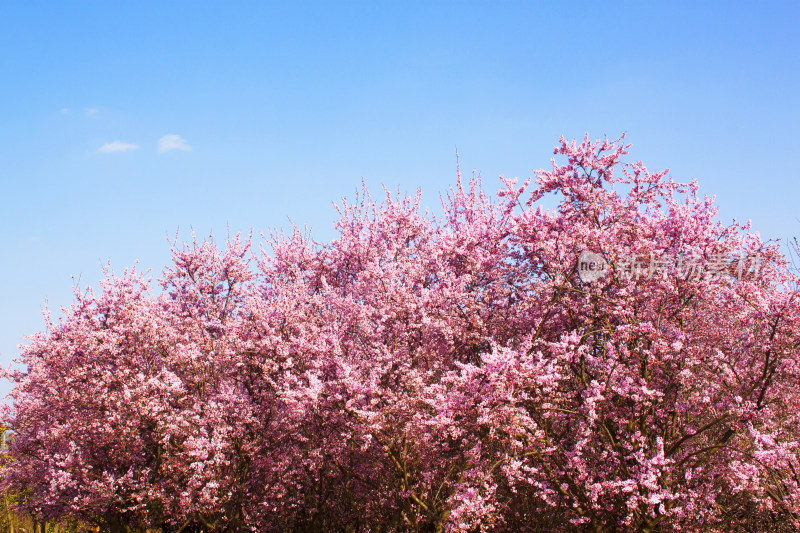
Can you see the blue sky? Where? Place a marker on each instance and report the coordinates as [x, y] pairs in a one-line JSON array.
[[270, 111]]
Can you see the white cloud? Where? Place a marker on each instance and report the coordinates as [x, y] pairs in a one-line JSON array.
[[91, 111], [64, 110], [117, 146], [173, 142]]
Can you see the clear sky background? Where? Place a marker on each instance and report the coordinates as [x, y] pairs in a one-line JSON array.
[[122, 122]]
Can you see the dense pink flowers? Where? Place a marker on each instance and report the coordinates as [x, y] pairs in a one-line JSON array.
[[432, 375]]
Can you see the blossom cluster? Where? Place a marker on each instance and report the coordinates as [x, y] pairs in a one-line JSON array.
[[451, 374]]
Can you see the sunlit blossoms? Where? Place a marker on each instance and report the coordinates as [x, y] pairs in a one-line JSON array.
[[433, 374]]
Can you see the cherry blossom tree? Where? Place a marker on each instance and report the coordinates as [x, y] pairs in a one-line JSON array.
[[460, 373]]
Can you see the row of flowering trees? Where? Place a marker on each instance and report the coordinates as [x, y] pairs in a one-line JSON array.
[[422, 374]]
